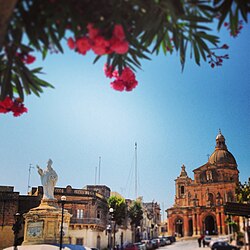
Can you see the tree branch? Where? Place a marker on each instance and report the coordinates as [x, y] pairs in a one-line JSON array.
[[6, 11]]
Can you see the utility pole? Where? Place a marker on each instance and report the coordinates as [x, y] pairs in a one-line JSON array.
[[99, 171], [135, 170], [30, 167]]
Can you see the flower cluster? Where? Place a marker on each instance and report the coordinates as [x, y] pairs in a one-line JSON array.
[[26, 58], [16, 106], [237, 30], [124, 81], [216, 60], [100, 45]]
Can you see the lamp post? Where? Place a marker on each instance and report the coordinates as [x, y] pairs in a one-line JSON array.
[[16, 228], [109, 228], [63, 200]]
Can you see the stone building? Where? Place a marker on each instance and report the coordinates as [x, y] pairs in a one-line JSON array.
[[151, 220], [88, 207], [12, 203], [90, 217], [199, 203]]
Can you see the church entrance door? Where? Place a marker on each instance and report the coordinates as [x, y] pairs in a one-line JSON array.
[[210, 226], [179, 227], [190, 227]]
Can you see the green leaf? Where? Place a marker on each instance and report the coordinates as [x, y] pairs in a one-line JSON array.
[[196, 53], [18, 85]]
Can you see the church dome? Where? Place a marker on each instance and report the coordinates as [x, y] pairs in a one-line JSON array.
[[221, 155]]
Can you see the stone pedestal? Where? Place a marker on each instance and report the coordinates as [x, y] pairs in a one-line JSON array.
[[43, 224]]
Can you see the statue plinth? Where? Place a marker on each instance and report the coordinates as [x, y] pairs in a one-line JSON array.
[[43, 224]]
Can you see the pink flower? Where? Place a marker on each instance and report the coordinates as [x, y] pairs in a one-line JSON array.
[[109, 71], [16, 106], [6, 104], [30, 59], [92, 31], [83, 45], [125, 81], [118, 32], [117, 85], [128, 78], [100, 45], [26, 58], [118, 46], [71, 43]]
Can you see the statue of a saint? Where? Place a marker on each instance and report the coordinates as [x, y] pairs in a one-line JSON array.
[[48, 178]]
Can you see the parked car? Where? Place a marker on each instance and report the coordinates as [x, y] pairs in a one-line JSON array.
[[131, 246], [207, 240], [148, 243], [222, 245], [141, 245], [155, 243], [162, 242], [169, 240]]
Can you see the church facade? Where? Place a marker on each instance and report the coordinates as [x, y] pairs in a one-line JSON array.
[[199, 202]]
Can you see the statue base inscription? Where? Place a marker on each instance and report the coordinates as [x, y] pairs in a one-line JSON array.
[[43, 224]]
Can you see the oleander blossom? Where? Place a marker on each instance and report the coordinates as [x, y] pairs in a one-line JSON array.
[[126, 81], [83, 45], [16, 106], [98, 43], [26, 58], [110, 71], [118, 41], [71, 43]]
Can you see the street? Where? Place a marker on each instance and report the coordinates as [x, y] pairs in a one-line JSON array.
[[185, 245]]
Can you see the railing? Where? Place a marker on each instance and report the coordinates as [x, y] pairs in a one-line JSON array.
[[95, 221]]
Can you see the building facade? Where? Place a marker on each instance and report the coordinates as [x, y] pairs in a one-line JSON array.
[[199, 202], [88, 208]]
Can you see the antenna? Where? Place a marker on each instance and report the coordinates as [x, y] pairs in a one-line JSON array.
[[95, 174], [30, 167], [99, 173], [135, 170], [163, 212]]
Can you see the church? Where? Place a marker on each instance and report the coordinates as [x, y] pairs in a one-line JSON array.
[[199, 202]]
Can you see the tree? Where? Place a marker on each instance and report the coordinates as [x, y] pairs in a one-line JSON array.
[[135, 214], [119, 212], [243, 192], [121, 30]]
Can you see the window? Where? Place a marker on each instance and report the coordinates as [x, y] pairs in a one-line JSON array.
[[182, 190], [79, 214], [79, 241], [98, 214]]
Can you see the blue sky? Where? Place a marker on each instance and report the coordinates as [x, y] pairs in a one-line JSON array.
[[174, 117]]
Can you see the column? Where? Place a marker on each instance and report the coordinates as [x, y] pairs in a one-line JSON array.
[[194, 224], [185, 225], [199, 225]]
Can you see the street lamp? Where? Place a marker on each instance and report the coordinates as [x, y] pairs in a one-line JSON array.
[[109, 228], [63, 200], [16, 228]]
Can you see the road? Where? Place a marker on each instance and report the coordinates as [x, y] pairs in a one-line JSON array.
[[185, 245]]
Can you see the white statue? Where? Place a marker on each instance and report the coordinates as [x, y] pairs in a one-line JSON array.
[[48, 178]]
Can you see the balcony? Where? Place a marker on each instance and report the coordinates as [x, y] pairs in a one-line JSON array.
[[88, 221]]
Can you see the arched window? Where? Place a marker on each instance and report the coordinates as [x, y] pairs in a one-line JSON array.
[[182, 190], [98, 214]]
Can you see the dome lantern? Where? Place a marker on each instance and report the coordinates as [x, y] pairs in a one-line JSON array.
[[220, 141]]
